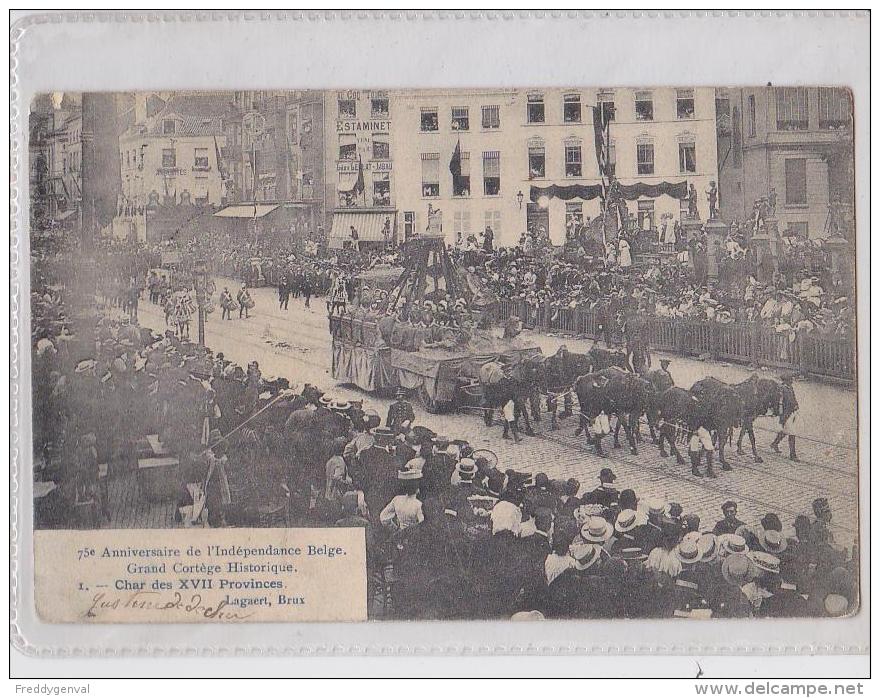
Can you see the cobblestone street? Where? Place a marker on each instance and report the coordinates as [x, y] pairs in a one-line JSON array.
[[295, 344]]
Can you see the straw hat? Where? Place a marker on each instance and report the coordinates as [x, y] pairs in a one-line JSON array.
[[737, 569], [731, 544], [687, 552], [585, 556], [627, 520], [765, 561], [772, 541], [596, 530], [708, 545]]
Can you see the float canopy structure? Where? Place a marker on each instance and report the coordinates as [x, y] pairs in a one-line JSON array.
[[429, 274]]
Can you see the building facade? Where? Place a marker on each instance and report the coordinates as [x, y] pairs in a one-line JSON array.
[[793, 145], [56, 156], [173, 156], [275, 155], [475, 128], [361, 179], [516, 144]]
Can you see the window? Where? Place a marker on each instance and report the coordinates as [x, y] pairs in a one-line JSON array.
[[645, 158], [379, 108], [535, 109], [460, 119], [347, 147], [347, 108], [491, 116], [201, 159], [684, 104], [611, 165], [574, 214], [644, 106], [795, 182], [492, 173], [834, 109], [430, 121], [606, 104], [461, 186], [571, 109], [381, 148], [687, 157], [537, 162], [381, 189], [461, 223], [492, 219], [791, 109], [409, 224], [169, 126], [573, 161], [169, 157], [752, 116], [201, 190], [430, 174], [646, 215]]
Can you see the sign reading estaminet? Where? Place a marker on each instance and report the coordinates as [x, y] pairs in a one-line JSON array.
[[228, 575]]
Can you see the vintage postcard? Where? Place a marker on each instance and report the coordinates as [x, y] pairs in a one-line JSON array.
[[301, 364], [580, 352]]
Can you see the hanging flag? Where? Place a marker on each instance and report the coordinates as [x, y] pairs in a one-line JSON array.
[[359, 186], [600, 133], [220, 167], [455, 166]]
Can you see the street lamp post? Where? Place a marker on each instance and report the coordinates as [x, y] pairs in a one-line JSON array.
[[200, 272]]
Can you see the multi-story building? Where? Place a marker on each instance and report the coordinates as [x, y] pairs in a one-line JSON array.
[[274, 154], [56, 155], [478, 128], [516, 143], [172, 156], [793, 145], [361, 179]]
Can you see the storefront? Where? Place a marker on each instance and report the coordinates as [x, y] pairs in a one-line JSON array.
[[363, 228]]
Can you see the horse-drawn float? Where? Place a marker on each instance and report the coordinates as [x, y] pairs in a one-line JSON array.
[[430, 334]]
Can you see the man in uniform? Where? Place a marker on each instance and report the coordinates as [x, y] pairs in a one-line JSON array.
[[788, 417], [400, 414]]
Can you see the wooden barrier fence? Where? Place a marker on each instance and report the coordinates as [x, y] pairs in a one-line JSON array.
[[736, 342]]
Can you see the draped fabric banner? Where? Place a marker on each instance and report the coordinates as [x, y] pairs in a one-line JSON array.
[[677, 190]]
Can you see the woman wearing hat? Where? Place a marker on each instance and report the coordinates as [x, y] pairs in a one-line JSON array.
[[405, 509]]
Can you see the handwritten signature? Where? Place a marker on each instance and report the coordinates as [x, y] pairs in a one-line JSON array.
[[146, 601]]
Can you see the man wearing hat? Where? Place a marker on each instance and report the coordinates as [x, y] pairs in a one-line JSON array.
[[727, 600], [439, 467], [788, 416], [400, 414], [729, 524], [572, 593], [605, 494]]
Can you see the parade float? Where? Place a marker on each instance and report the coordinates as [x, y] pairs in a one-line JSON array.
[[429, 332]]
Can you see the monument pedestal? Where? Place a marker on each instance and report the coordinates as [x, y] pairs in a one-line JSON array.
[[716, 231]]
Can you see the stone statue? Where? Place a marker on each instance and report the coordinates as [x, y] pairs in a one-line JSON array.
[[771, 202], [692, 202], [712, 196]]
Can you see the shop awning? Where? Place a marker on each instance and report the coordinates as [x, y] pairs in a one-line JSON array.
[[368, 224], [246, 211]]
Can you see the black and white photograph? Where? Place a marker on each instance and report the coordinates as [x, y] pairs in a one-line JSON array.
[[560, 353]]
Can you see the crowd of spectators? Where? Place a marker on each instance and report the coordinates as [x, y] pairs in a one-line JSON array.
[[451, 532]]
